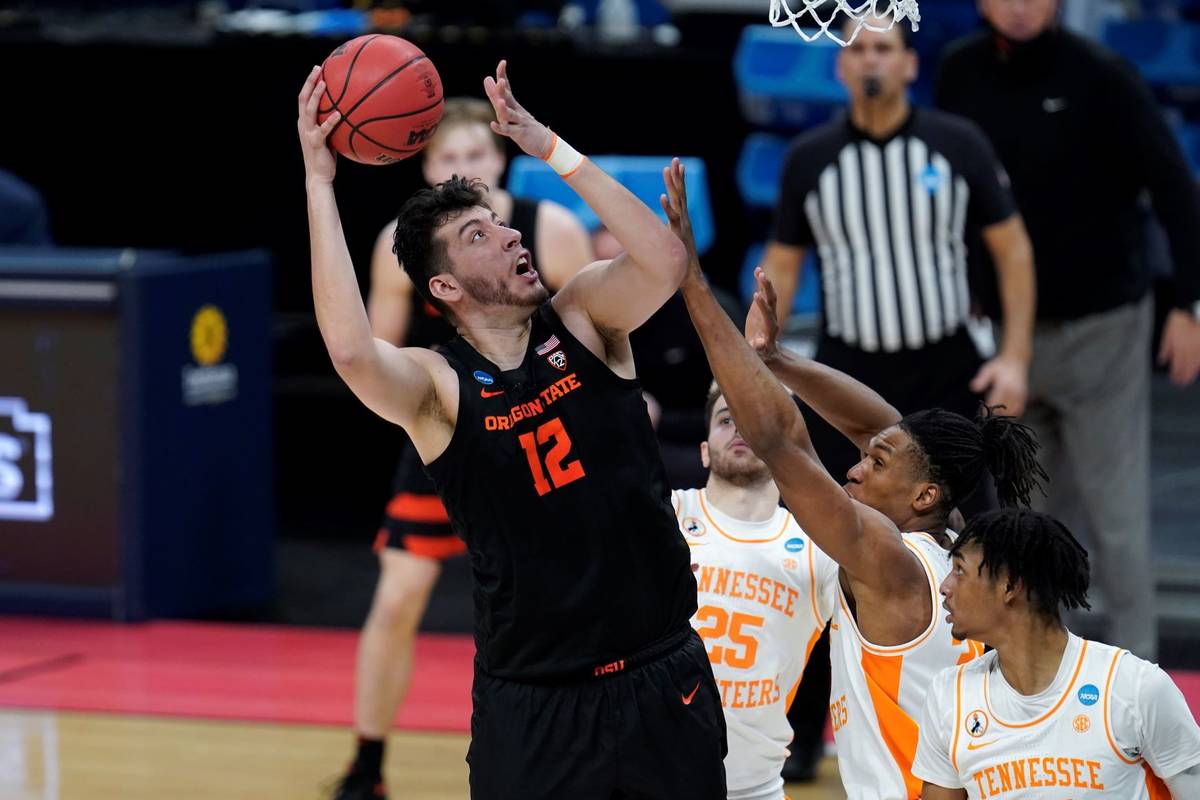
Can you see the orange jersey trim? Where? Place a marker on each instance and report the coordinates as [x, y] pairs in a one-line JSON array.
[[812, 596], [957, 714], [1112, 669], [704, 509], [1066, 693], [887, 650], [898, 730], [808, 648], [434, 546], [417, 508]]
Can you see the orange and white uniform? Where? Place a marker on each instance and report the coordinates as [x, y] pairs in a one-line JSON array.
[[765, 594], [878, 692], [1109, 725]]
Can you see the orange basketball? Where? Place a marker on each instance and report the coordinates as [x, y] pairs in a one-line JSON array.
[[389, 95]]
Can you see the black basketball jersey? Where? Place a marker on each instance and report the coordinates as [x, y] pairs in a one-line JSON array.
[[554, 478], [427, 327]]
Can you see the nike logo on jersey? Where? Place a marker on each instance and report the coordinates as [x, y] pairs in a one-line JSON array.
[[484, 393], [687, 698], [981, 745]]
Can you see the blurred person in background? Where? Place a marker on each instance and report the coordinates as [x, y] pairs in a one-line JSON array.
[[1081, 136], [23, 216], [886, 194], [416, 534]]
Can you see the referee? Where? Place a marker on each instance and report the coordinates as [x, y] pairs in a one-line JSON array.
[[887, 194]]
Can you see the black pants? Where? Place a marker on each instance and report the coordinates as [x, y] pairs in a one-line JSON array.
[[654, 732]]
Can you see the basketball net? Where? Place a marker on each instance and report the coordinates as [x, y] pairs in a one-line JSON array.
[[891, 10]]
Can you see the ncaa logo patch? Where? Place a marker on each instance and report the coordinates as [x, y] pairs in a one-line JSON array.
[[793, 545], [976, 723], [692, 526], [931, 179], [1089, 695], [484, 378], [558, 360]]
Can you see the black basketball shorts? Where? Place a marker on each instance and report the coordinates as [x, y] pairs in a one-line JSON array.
[[415, 519], [654, 731]]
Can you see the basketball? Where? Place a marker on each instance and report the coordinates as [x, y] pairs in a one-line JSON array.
[[389, 95]]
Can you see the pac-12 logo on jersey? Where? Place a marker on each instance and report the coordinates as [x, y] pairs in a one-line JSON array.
[[692, 526], [976, 723], [558, 360]]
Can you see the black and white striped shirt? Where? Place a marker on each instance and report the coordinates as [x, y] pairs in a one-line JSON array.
[[890, 221]]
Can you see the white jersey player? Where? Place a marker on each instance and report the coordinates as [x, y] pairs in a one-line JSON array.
[[878, 691], [1046, 714], [765, 594], [913, 472]]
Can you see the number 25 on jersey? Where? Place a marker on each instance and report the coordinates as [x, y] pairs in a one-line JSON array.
[[560, 474]]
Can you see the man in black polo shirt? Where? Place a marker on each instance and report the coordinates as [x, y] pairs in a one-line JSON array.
[[887, 194], [1082, 137]]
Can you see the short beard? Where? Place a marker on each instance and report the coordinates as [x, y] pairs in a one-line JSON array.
[[737, 474], [495, 292]]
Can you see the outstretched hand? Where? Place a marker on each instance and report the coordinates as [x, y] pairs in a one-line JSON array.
[[674, 203], [512, 120], [762, 321], [320, 163]]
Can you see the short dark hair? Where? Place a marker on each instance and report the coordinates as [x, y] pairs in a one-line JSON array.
[[710, 402], [420, 253], [1035, 549], [955, 452]]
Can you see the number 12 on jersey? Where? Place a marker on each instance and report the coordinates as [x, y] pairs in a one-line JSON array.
[[559, 473]]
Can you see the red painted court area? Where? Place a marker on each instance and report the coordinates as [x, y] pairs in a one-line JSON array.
[[244, 672]]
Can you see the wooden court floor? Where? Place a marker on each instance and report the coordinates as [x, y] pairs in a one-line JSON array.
[[75, 756]]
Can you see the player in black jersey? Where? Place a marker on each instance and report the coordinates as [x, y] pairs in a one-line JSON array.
[[589, 681], [416, 537]]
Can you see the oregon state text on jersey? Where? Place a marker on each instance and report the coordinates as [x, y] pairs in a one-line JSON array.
[[878, 692], [554, 478], [765, 594]]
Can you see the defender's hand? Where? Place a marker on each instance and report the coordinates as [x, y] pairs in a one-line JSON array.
[[762, 321], [1006, 381], [320, 162], [512, 120], [674, 203]]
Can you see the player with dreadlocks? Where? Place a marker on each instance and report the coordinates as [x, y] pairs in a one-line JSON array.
[[887, 528], [1045, 714]]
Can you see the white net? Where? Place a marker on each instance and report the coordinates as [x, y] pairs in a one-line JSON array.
[[891, 11]]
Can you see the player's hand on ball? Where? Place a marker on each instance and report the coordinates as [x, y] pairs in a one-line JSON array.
[[762, 321], [320, 163], [512, 120], [674, 203]]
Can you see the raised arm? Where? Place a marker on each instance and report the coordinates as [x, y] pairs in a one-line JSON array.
[[391, 382], [617, 295], [855, 409], [864, 542]]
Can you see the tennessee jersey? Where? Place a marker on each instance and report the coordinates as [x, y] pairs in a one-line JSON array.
[[878, 692], [765, 593], [1107, 726]]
